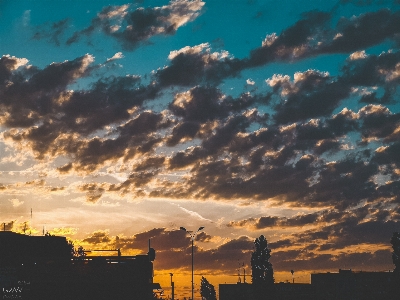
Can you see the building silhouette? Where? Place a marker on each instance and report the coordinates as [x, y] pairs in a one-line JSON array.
[[43, 268], [341, 285], [349, 285]]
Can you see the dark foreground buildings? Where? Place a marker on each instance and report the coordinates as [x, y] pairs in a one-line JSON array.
[[42, 268], [349, 285], [342, 285]]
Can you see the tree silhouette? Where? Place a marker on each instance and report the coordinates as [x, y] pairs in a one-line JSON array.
[[395, 241], [262, 271], [207, 290], [395, 288]]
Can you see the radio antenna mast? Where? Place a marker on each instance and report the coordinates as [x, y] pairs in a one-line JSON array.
[[244, 273], [30, 229], [239, 278]]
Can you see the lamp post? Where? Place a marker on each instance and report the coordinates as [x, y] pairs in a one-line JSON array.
[[172, 286], [192, 237]]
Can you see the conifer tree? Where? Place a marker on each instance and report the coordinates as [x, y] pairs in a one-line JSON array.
[[262, 271], [395, 241], [207, 290]]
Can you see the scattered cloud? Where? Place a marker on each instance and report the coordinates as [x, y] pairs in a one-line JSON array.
[[325, 143], [16, 202]]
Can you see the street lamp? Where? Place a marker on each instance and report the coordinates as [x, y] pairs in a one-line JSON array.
[[192, 237], [172, 286]]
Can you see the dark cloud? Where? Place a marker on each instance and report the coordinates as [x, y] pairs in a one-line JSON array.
[[270, 222], [317, 140], [280, 244], [93, 192], [292, 43], [199, 104], [52, 32], [195, 66], [130, 27], [359, 33], [311, 36], [389, 155], [182, 131], [203, 237], [32, 95], [173, 250], [265, 222], [54, 114], [316, 96], [98, 237], [379, 123]]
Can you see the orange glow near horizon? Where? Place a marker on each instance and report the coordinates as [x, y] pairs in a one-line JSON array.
[[182, 281]]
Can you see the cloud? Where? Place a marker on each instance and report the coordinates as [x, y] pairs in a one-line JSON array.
[[198, 65], [193, 213], [323, 142], [52, 32], [93, 192], [98, 237], [116, 56], [173, 251], [16, 202], [358, 55], [250, 81], [128, 26]]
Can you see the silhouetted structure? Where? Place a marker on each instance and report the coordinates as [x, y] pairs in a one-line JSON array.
[[238, 291], [262, 271], [42, 268], [207, 290], [347, 284], [283, 291], [395, 241], [342, 285], [294, 291]]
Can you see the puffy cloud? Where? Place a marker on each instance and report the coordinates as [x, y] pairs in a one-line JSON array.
[[117, 55], [93, 192], [198, 65], [358, 55], [323, 142], [130, 27], [15, 202]]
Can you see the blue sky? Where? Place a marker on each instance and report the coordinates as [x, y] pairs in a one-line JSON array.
[[122, 121]]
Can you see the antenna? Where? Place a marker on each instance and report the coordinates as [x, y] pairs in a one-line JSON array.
[[244, 273], [30, 229], [239, 279]]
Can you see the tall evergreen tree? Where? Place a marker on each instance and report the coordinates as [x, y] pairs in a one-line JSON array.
[[262, 271], [207, 290], [395, 241]]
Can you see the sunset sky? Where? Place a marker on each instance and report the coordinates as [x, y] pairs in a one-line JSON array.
[[122, 121]]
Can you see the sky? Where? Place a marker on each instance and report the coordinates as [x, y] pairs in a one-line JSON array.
[[122, 121]]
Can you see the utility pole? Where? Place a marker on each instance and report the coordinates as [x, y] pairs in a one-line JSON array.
[[172, 286]]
